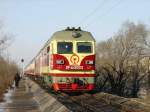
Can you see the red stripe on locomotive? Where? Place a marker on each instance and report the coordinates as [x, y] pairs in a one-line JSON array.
[[66, 66]]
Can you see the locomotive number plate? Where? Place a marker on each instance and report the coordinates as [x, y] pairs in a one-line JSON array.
[[74, 67]]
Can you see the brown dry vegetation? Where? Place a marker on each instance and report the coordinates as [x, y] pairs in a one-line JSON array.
[[7, 67], [7, 72], [123, 61]]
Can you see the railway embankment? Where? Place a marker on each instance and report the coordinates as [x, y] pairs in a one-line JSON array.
[[125, 104], [47, 103], [30, 97], [86, 102]]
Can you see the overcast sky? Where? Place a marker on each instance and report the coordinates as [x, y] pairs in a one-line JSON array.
[[34, 21]]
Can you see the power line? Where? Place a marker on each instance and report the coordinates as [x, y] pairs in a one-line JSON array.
[[106, 12], [93, 12]]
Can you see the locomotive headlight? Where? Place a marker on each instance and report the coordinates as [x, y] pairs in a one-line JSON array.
[[60, 62], [89, 62]]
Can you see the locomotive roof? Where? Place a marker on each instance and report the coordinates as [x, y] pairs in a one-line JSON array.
[[68, 36]]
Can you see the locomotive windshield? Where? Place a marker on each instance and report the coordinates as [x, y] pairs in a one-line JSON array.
[[64, 47], [84, 47]]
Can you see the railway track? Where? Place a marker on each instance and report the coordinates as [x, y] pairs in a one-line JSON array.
[[82, 103], [89, 102], [71, 104]]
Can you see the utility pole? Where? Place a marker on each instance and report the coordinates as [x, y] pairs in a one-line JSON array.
[[22, 61]]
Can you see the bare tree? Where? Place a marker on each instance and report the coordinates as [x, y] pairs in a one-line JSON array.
[[7, 67], [120, 58], [5, 38]]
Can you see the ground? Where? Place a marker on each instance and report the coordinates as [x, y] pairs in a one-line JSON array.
[[145, 101]]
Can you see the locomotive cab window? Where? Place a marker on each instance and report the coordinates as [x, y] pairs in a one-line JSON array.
[[84, 47], [64, 47]]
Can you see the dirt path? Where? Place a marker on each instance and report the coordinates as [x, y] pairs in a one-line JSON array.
[[18, 100]]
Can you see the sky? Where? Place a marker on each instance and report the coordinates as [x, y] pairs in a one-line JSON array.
[[32, 22]]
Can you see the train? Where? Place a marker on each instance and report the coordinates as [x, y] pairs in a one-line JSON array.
[[66, 62]]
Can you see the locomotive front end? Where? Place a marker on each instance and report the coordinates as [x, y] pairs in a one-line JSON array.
[[72, 61]]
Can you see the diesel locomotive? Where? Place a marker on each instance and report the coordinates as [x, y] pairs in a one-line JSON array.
[[66, 62]]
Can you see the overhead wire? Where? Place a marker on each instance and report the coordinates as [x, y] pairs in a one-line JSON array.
[[101, 4], [105, 13]]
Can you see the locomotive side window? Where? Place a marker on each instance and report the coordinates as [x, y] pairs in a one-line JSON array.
[[84, 47], [64, 47]]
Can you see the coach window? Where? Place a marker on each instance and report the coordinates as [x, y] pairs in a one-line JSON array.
[[84, 47], [64, 47]]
